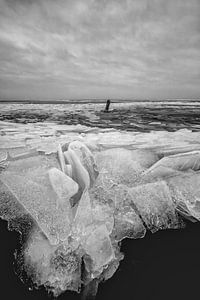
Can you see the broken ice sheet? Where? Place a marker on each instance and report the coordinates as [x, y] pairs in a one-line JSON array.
[[33, 168], [42, 261], [47, 252], [186, 194], [113, 203], [64, 186], [103, 215], [125, 166], [89, 217], [61, 158], [40, 201], [58, 268], [127, 224], [79, 173], [160, 171], [86, 158], [154, 204], [11, 209], [83, 223], [120, 165], [3, 156], [98, 246], [179, 162]]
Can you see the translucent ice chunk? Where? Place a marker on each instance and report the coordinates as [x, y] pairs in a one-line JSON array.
[[154, 204], [98, 246], [10, 208], [56, 267], [88, 217], [112, 204], [160, 172], [63, 185], [127, 224], [120, 165], [86, 158], [79, 173], [33, 168], [185, 212], [61, 158], [106, 191], [3, 156], [186, 194], [68, 170], [179, 162], [103, 215], [145, 157], [41, 203], [84, 220], [65, 270]]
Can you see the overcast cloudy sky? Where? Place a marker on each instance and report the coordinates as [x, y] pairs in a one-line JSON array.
[[68, 49]]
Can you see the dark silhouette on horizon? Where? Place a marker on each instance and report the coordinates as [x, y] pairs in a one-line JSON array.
[[107, 105]]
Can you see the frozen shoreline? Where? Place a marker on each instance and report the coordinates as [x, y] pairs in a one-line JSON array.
[[45, 137], [134, 165]]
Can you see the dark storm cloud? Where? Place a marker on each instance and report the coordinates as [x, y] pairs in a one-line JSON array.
[[78, 49]]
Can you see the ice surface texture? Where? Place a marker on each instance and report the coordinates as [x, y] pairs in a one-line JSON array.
[[83, 200]]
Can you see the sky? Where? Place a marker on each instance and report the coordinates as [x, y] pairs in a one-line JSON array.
[[98, 49]]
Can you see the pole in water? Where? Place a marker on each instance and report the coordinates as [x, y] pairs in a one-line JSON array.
[[107, 105]]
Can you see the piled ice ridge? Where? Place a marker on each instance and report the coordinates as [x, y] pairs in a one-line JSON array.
[[84, 199]]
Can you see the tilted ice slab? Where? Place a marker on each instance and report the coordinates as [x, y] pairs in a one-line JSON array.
[[42, 203], [92, 192], [186, 194], [154, 204], [179, 162]]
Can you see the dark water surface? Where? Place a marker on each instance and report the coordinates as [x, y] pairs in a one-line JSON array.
[[163, 265], [143, 116]]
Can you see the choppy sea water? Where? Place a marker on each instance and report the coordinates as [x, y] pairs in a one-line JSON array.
[[140, 116]]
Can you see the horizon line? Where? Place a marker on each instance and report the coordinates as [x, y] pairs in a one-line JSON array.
[[95, 100]]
